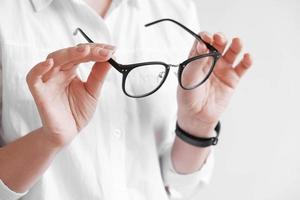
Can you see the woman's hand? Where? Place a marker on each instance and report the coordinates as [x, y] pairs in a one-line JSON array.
[[65, 103], [200, 109]]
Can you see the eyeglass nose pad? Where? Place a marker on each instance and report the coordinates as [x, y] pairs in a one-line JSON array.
[[160, 76], [175, 73]]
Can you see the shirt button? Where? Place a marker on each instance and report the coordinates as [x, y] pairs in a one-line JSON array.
[[117, 133]]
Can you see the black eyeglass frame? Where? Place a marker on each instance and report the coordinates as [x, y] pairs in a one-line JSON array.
[[125, 69]]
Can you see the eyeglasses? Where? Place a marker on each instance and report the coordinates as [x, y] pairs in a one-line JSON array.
[[145, 78]]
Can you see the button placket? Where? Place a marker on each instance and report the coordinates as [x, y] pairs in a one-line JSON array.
[[117, 134], [118, 162]]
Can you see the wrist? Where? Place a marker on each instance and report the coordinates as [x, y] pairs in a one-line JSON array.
[[197, 127], [48, 141]]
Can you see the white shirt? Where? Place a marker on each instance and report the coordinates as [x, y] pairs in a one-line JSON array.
[[124, 152]]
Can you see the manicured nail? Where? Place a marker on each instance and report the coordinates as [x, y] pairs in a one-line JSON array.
[[220, 37], [110, 47], [105, 52]]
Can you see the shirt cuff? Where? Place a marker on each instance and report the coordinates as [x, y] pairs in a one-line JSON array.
[[8, 194], [182, 186]]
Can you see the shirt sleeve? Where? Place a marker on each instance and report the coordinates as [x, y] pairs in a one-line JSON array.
[[5, 192], [184, 186], [1, 142], [8, 194]]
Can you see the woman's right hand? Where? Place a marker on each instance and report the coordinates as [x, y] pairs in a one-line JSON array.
[[65, 103]]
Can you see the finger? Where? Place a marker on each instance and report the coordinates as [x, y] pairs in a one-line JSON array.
[[244, 65], [106, 46], [62, 78], [96, 78], [84, 52], [219, 42], [35, 74], [193, 51], [199, 47], [207, 37], [96, 53], [233, 51], [51, 73]]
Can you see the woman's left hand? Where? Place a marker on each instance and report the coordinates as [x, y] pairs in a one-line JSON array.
[[200, 109]]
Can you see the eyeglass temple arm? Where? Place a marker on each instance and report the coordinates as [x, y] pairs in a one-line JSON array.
[[198, 37], [110, 61]]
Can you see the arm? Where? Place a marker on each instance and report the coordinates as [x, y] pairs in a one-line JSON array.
[[65, 104], [23, 161], [199, 110]]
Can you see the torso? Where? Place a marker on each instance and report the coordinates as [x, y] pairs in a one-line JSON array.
[[100, 6], [116, 155]]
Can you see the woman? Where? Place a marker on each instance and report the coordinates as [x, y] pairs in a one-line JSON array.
[[127, 147]]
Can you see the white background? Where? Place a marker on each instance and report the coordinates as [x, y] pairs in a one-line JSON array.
[[258, 157]]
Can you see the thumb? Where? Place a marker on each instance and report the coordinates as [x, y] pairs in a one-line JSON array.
[[199, 47], [193, 51], [96, 78]]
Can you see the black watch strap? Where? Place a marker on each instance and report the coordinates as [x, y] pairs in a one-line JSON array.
[[198, 141]]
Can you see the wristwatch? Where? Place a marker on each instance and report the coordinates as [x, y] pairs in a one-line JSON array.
[[198, 141]]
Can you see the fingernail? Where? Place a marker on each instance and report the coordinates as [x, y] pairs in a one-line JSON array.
[[105, 52], [110, 47], [219, 38], [206, 34], [80, 48], [221, 35]]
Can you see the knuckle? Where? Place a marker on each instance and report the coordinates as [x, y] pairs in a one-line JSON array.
[[31, 82], [34, 85], [234, 51], [28, 78], [79, 51]]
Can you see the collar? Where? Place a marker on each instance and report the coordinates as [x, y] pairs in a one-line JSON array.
[[39, 5]]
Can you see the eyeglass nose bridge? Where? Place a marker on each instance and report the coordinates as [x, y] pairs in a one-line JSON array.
[[174, 66]]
